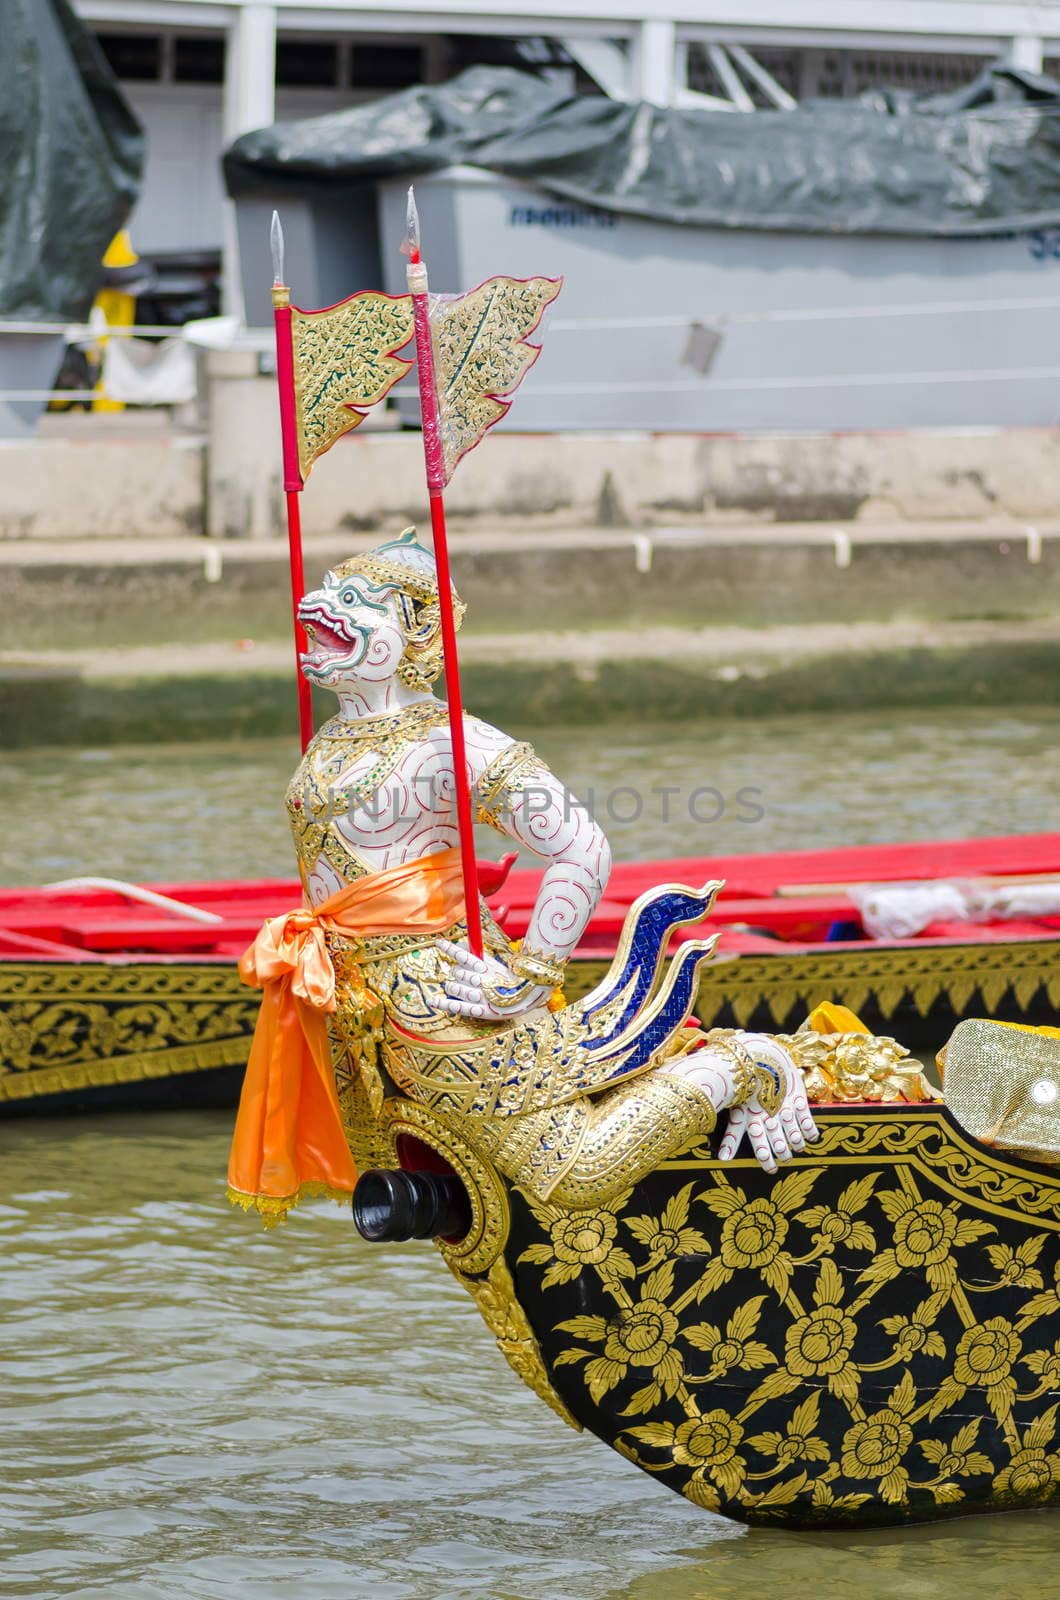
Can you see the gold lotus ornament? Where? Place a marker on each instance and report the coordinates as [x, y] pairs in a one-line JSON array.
[[1032, 1471], [709, 1445], [985, 1357], [818, 1344], [843, 1223], [925, 1234], [579, 1239], [1016, 1267], [799, 1441], [640, 1335], [736, 1347], [1045, 1304], [876, 1447], [856, 1067], [670, 1234], [958, 1459], [1046, 1365], [754, 1232], [917, 1333]]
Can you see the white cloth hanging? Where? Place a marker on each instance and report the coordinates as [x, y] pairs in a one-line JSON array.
[[142, 372]]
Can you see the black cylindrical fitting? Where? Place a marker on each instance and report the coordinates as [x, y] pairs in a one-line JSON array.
[[390, 1206]]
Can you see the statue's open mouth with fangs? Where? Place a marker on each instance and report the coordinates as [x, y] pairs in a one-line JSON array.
[[335, 641]]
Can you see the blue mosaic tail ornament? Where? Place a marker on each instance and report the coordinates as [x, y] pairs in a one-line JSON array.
[[649, 923], [665, 1013]]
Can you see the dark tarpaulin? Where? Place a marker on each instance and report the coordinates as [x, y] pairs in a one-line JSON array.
[[984, 160], [416, 130], [71, 151]]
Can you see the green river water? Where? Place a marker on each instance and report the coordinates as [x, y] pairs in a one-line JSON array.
[[194, 1410]]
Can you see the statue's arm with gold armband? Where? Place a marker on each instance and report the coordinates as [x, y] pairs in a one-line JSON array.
[[518, 795]]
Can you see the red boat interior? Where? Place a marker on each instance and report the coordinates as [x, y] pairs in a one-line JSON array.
[[786, 901]]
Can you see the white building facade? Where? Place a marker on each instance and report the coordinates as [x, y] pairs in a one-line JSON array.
[[200, 72]]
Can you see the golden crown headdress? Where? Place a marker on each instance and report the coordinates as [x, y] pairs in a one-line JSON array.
[[403, 565]]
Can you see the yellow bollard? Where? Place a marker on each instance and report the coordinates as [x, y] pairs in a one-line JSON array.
[[117, 307]]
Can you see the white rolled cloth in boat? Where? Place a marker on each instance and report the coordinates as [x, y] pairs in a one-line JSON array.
[[901, 910]]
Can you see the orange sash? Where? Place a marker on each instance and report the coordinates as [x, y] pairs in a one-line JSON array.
[[289, 1138]]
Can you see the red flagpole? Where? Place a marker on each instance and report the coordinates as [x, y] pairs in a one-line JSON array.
[[435, 465], [292, 481], [301, 643]]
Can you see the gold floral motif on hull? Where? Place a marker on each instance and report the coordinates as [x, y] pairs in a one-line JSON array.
[[954, 1403], [69, 1026]]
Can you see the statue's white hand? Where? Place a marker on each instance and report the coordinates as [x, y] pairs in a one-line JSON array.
[[787, 1131], [484, 988]]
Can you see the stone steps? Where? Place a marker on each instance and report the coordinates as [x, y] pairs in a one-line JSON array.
[[517, 679], [186, 591]]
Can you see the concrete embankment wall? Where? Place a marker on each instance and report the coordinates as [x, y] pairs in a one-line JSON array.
[[160, 486], [132, 476], [109, 701], [191, 591], [146, 593], [117, 641]]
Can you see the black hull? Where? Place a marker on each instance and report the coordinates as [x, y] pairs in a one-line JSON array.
[[106, 1036], [215, 1089], [870, 1339]]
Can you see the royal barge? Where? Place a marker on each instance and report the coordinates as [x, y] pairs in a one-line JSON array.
[[110, 1001]]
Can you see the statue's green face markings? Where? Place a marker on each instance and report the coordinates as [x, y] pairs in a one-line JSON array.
[[348, 620]]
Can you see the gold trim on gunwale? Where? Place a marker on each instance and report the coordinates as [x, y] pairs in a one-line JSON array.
[[849, 977], [69, 1026], [126, 1069], [888, 976], [896, 1137]]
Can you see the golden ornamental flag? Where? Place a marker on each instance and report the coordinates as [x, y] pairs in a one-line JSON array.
[[344, 361], [482, 353]]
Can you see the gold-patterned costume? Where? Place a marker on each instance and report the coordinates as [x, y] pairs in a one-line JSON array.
[[569, 1102], [523, 1094], [529, 1095], [314, 800]]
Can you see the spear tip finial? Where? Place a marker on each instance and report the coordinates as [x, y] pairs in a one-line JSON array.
[[276, 246], [411, 246]]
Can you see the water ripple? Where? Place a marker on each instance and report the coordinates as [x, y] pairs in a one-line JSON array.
[[195, 1410]]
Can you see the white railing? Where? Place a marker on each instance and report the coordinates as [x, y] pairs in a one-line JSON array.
[[261, 341]]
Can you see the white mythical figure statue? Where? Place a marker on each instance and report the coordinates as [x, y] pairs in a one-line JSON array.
[[568, 1101], [553, 1150]]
